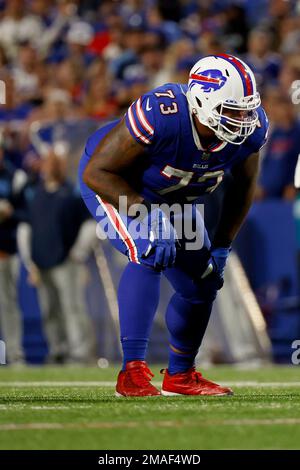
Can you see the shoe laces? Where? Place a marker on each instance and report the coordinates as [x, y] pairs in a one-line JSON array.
[[196, 376], [141, 375], [191, 376]]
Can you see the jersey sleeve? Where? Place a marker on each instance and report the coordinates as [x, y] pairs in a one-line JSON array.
[[141, 120], [260, 136]]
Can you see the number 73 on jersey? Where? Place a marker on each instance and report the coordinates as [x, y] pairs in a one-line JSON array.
[[185, 177]]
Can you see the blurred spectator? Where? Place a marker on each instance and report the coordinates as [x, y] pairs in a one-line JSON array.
[[11, 182], [25, 73], [98, 104], [53, 22], [15, 111], [278, 12], [235, 29], [55, 214], [61, 124], [289, 75], [114, 47], [157, 21], [282, 148], [69, 77], [3, 59], [78, 38], [290, 40], [209, 44], [133, 40], [153, 67], [18, 26], [260, 57], [57, 109]]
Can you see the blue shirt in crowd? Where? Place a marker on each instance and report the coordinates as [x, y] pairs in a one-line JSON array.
[[279, 162], [55, 219]]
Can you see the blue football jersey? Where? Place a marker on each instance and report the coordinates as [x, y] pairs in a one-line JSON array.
[[175, 167]]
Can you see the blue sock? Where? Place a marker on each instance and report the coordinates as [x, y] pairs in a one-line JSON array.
[[180, 361], [187, 322], [133, 350], [138, 297]]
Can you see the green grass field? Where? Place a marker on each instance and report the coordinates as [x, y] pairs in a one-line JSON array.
[[75, 408]]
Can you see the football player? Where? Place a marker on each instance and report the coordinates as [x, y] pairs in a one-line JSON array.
[[174, 144]]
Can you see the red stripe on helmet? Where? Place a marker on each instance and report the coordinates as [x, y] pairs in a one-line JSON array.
[[242, 70]]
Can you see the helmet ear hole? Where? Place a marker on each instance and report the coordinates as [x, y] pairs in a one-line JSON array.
[[199, 102]]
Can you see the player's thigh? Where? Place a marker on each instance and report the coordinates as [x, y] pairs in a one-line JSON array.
[[193, 253], [192, 259], [185, 275], [189, 223]]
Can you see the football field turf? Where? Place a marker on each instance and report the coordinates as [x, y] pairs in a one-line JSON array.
[[75, 408]]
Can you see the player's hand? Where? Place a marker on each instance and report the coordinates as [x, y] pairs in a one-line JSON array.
[[162, 240], [6, 210], [34, 276], [214, 272], [219, 257], [217, 262]]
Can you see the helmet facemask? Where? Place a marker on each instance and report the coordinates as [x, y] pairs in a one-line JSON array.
[[233, 122]]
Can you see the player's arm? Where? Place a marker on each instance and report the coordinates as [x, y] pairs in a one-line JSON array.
[[237, 201], [114, 154], [117, 152]]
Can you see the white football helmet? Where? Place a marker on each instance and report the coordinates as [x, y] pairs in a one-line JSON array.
[[222, 94]]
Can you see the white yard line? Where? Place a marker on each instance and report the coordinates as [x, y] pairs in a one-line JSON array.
[[25, 406], [54, 383], [100, 383], [256, 383], [153, 423]]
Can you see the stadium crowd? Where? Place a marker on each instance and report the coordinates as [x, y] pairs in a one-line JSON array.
[[70, 65]]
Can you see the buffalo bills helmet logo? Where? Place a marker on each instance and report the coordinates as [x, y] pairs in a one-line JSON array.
[[210, 80]]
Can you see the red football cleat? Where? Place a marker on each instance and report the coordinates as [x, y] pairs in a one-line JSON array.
[[135, 381], [191, 382]]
